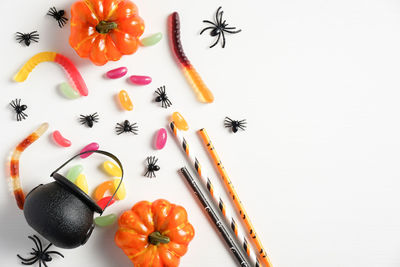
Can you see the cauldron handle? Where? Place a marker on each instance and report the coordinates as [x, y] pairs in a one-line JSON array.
[[100, 152]]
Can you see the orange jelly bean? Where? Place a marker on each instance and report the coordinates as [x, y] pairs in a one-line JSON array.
[[125, 100], [180, 121], [102, 189]]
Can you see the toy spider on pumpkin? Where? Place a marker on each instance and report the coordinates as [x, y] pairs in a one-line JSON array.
[[39, 254], [219, 28]]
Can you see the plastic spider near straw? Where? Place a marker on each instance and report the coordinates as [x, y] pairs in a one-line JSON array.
[[219, 28], [73, 73], [14, 163], [202, 91]]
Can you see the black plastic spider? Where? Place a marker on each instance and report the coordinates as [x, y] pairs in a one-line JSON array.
[[235, 125], [27, 37], [152, 167], [39, 254], [127, 127], [58, 15], [19, 109], [219, 28], [89, 119], [162, 97]]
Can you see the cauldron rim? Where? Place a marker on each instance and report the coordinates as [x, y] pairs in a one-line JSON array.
[[77, 192]]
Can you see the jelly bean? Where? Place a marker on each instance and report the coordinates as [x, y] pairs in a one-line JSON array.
[[121, 193], [59, 139], [82, 183], [102, 189], [106, 220], [180, 121], [74, 172], [125, 100], [140, 80], [89, 147], [161, 138], [117, 73], [103, 202], [112, 169], [68, 91], [151, 40]]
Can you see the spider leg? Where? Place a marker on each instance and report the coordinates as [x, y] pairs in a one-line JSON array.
[[207, 21], [155, 160], [208, 28], [44, 263], [12, 104], [146, 174], [223, 39], [217, 14], [228, 119], [55, 252], [228, 31], [49, 245], [40, 248], [220, 18], [151, 159], [29, 259], [30, 262], [216, 42]]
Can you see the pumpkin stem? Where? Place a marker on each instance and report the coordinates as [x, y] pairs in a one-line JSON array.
[[105, 26], [156, 238]]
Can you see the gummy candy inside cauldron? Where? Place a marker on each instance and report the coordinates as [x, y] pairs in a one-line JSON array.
[[61, 212]]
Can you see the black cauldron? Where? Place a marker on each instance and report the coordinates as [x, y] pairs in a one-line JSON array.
[[61, 212]]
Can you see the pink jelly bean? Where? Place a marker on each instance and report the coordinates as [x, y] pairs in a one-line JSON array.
[[117, 73], [91, 146], [161, 138], [103, 202], [62, 141], [140, 80]]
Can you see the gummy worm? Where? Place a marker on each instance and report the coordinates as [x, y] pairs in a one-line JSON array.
[[65, 62], [14, 163], [203, 93]]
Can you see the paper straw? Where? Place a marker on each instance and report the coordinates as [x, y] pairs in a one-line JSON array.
[[224, 231], [234, 197], [216, 196]]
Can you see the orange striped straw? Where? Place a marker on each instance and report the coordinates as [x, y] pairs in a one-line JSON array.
[[235, 198]]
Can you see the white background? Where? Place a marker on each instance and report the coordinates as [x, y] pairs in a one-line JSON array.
[[317, 168]]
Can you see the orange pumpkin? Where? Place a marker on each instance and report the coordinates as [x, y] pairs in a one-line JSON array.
[[154, 234], [104, 30]]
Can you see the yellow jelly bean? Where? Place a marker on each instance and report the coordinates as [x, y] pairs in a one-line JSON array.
[[121, 193], [180, 121], [125, 100], [111, 169], [102, 189], [82, 183]]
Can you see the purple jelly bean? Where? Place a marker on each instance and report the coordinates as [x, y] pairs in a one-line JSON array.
[[140, 80], [91, 146], [161, 138], [117, 73]]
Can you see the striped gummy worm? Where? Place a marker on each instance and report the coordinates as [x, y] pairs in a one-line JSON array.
[[194, 79], [72, 72], [14, 163]]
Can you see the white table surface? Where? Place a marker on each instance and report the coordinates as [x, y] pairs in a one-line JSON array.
[[317, 168]]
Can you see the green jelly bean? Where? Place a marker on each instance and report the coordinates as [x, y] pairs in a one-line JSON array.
[[74, 172], [105, 220], [68, 91], [152, 39]]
